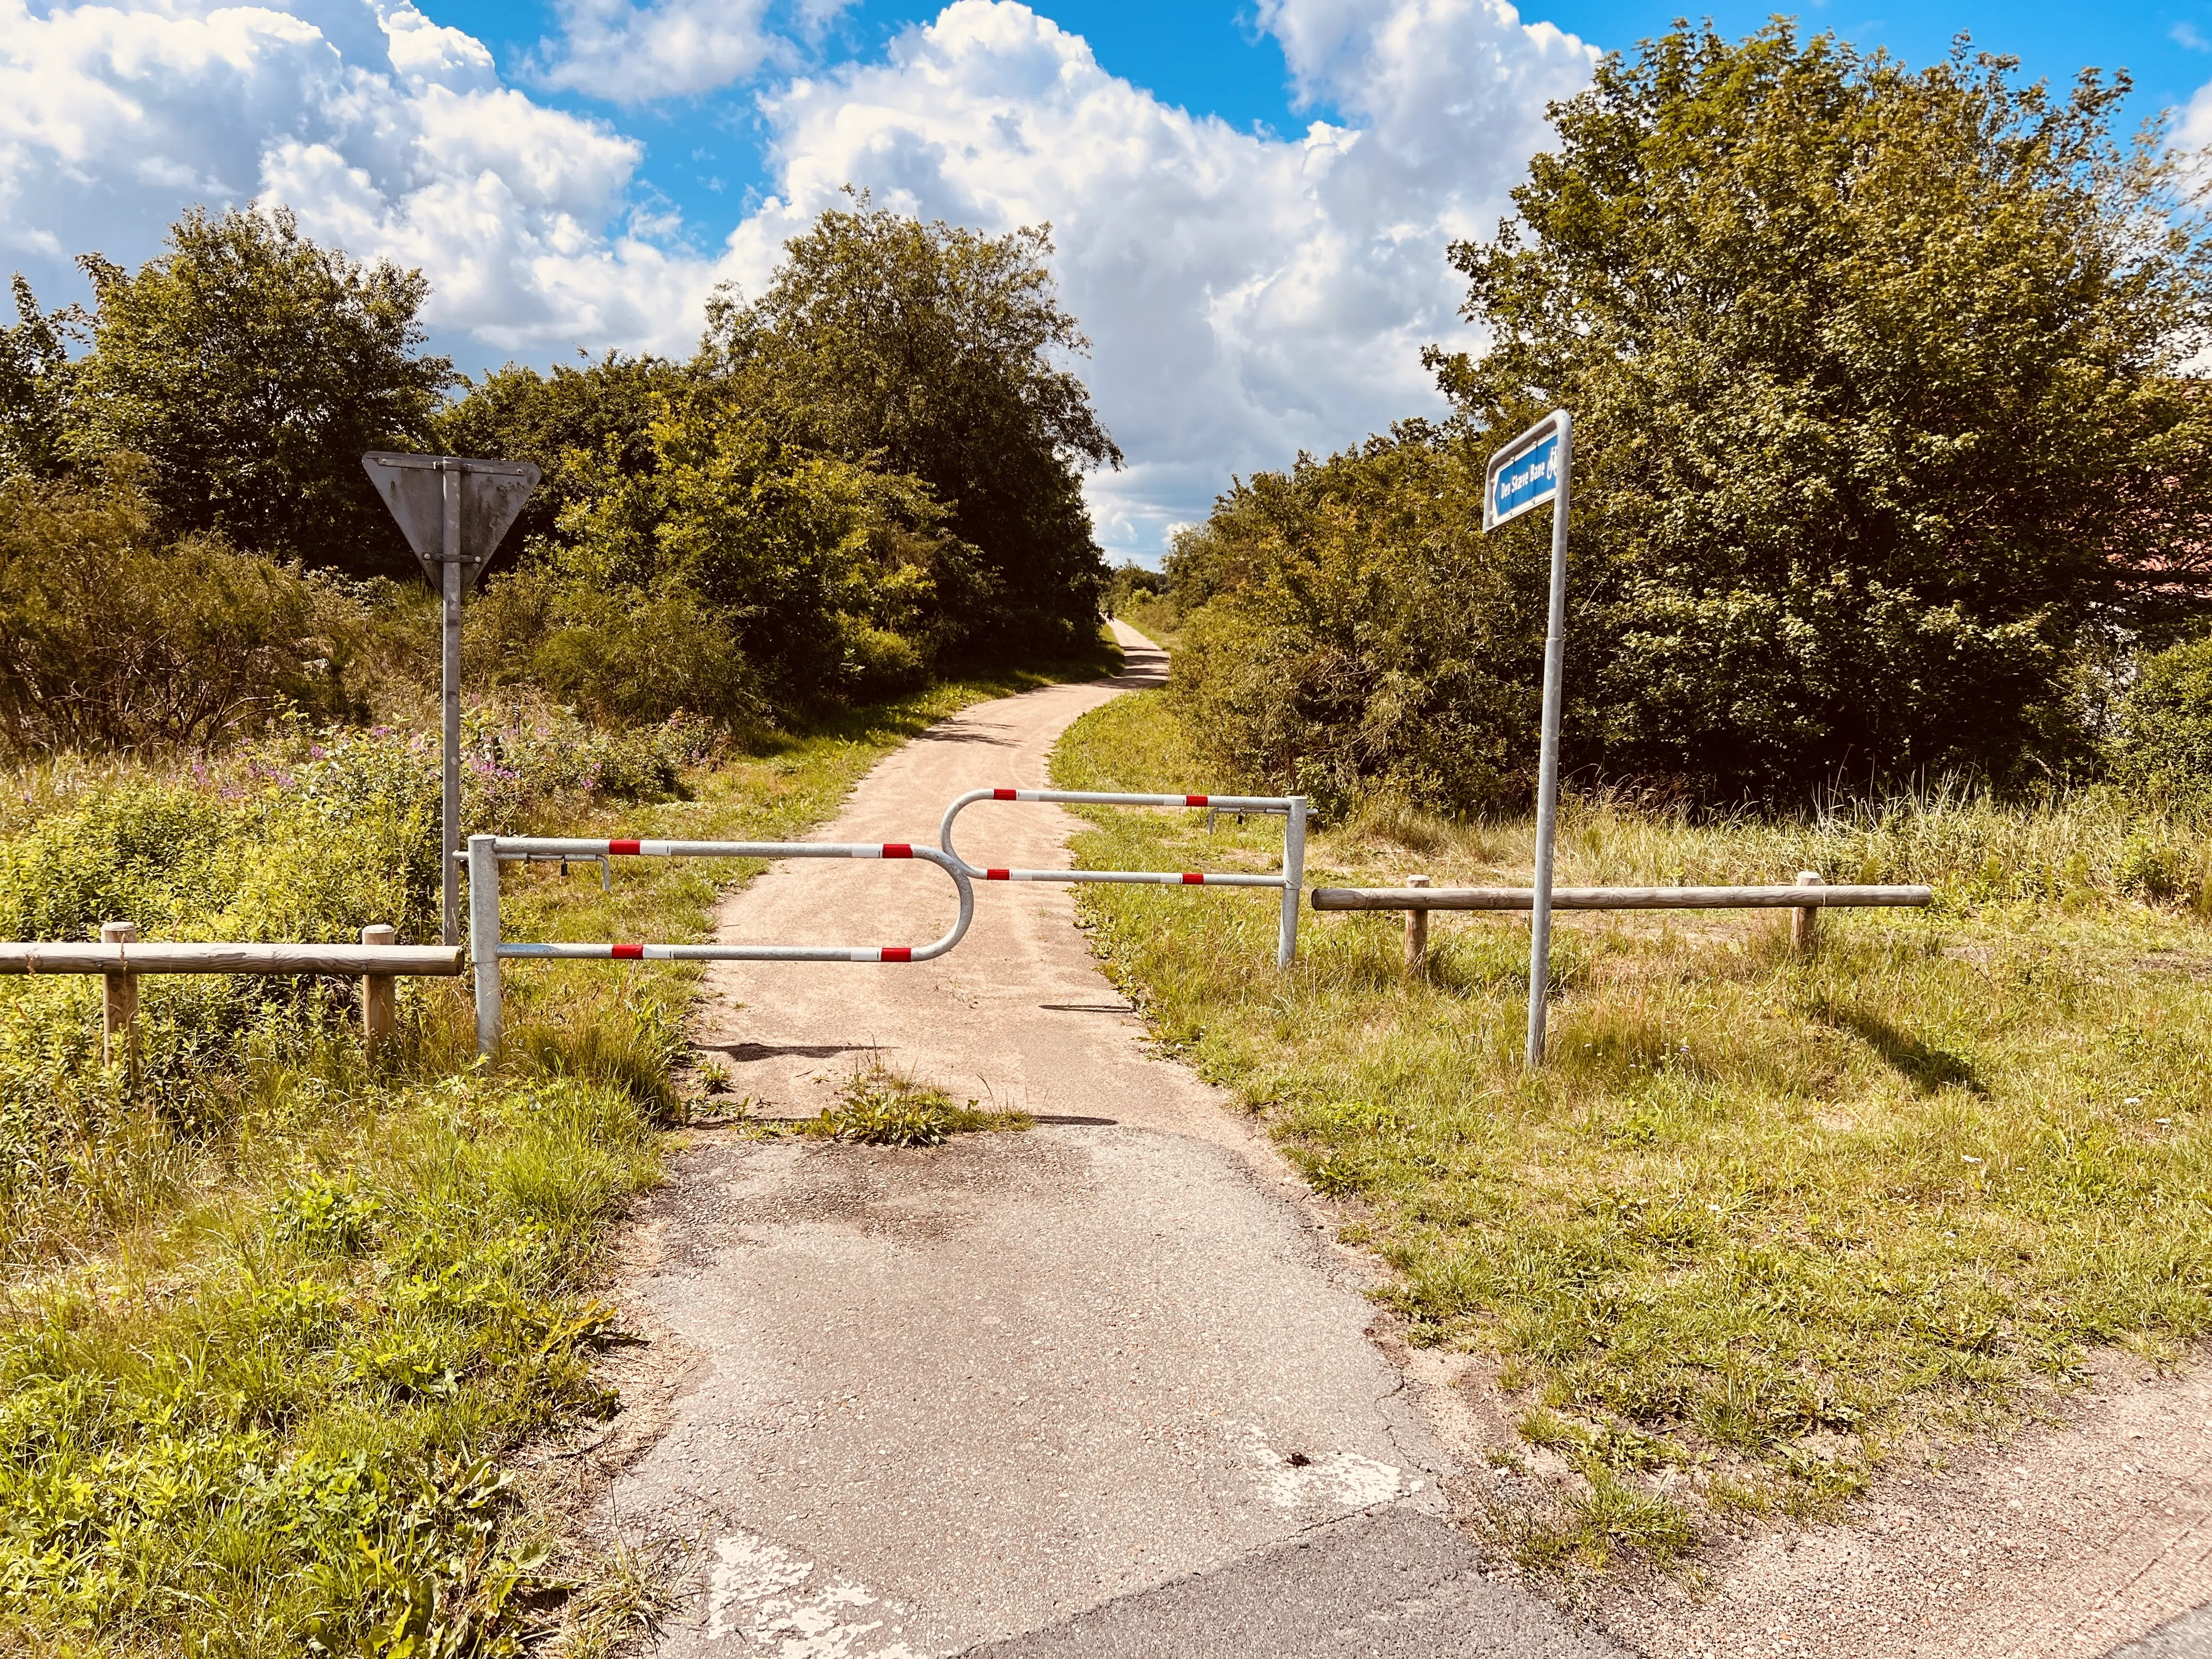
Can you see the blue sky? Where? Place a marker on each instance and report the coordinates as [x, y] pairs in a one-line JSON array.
[[1251, 201], [707, 154]]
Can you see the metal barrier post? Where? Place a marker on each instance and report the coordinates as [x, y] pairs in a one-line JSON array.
[[1294, 881], [483, 937]]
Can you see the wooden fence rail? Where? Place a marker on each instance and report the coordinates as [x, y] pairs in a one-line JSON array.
[[1804, 899], [120, 958], [1614, 898]]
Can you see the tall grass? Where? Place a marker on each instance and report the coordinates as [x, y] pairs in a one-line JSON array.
[[1761, 1218], [271, 1314]]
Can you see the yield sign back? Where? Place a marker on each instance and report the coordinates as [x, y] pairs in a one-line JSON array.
[[414, 487]]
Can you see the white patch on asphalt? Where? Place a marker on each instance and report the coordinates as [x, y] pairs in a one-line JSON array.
[[1343, 1480], [757, 1594]]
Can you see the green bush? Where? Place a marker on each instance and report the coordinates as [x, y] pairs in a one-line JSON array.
[[739, 577], [113, 637], [2163, 735], [1346, 629]]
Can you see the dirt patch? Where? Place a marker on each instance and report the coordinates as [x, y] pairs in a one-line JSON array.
[[2062, 1542]]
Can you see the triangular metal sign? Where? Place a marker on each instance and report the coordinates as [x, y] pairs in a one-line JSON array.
[[414, 487]]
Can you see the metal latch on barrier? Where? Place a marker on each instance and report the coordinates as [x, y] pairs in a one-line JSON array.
[[487, 948], [1292, 808]]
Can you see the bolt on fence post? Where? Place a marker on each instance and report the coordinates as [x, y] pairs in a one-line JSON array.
[[1294, 881], [379, 1006], [119, 1024], [1805, 920], [483, 937], [1417, 933]]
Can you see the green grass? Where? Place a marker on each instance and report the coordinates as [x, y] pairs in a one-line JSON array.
[[1155, 617], [1762, 1218], [273, 1316]]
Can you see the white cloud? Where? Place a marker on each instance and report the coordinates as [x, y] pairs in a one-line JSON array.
[[389, 134], [675, 48], [1248, 295]]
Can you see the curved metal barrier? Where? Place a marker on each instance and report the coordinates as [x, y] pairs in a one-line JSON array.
[[1293, 807], [487, 948]]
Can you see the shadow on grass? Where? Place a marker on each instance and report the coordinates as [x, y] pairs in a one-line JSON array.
[[1926, 1068]]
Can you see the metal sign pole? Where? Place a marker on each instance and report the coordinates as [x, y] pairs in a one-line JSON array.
[[1547, 774], [452, 512], [450, 688], [1523, 475]]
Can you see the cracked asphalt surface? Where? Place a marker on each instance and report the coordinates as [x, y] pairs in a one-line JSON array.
[[1101, 1388]]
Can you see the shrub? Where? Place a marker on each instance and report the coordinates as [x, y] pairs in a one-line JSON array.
[[741, 576], [2163, 735], [1353, 632], [109, 638]]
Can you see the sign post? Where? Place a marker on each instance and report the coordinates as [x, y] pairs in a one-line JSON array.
[[1523, 475], [452, 512]]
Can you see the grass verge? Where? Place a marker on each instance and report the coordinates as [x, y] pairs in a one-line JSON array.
[[273, 1314], [1761, 1218]]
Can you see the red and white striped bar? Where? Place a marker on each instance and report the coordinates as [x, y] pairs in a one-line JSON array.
[[1293, 807], [563, 846], [1135, 877], [488, 949]]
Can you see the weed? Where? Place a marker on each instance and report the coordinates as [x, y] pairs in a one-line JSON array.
[[1760, 1213], [271, 1316], [880, 1108]]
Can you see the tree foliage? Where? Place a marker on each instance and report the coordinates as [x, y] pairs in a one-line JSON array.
[[936, 352], [783, 523], [252, 367], [1349, 631], [2162, 737], [111, 636], [1884, 428], [579, 427], [1886, 451], [738, 575], [34, 382]]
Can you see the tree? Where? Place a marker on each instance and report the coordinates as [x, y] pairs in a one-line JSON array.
[[1348, 629], [577, 425], [115, 636], [34, 382], [252, 367], [934, 351], [738, 575], [1885, 429]]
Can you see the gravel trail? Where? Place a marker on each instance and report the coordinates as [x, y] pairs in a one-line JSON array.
[[1104, 1387]]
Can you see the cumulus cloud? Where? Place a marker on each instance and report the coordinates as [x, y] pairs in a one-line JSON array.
[[1249, 295], [388, 134], [633, 54]]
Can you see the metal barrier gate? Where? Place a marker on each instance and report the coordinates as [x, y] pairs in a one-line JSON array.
[[487, 948], [1293, 807]]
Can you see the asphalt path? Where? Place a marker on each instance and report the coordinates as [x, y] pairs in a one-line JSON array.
[[1103, 1388]]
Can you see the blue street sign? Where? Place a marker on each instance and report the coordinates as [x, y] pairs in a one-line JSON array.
[[1532, 470], [1525, 480]]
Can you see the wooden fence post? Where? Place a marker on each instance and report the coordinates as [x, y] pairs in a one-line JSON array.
[[1417, 933], [119, 1025], [379, 1006], [1805, 920]]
